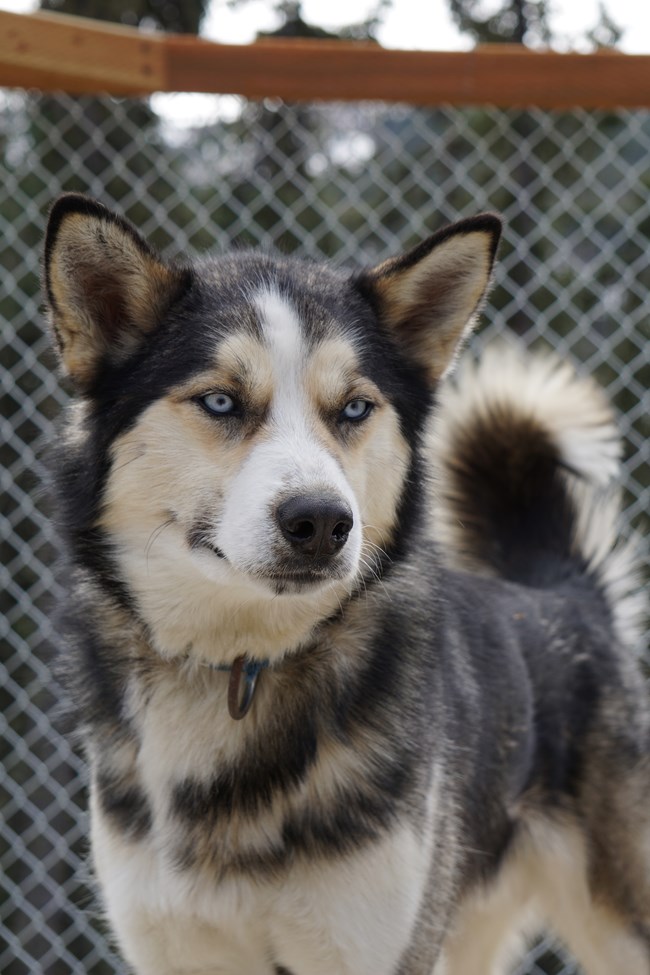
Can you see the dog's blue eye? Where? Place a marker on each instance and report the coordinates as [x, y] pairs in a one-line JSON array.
[[219, 403], [356, 409]]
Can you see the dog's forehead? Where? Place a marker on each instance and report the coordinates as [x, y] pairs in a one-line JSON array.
[[250, 322], [285, 351], [282, 331], [253, 290]]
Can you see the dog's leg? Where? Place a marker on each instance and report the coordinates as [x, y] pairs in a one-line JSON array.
[[603, 943], [489, 933], [489, 947], [353, 916], [152, 921], [603, 940], [175, 946]]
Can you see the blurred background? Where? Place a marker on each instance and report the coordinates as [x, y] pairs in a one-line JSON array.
[[353, 182]]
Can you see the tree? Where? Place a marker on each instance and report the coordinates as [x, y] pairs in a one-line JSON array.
[[293, 24], [177, 16], [514, 22], [524, 22]]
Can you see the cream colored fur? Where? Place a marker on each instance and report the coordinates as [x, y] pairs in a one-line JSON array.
[[352, 917], [542, 885]]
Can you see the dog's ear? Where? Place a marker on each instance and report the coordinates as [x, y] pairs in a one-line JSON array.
[[430, 296], [105, 287]]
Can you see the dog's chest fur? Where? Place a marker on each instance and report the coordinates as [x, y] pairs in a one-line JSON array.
[[316, 769], [307, 808]]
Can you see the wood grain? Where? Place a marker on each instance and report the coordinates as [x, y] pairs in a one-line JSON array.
[[55, 52]]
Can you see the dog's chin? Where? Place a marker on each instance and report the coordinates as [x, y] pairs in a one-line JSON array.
[[289, 579], [277, 578], [291, 585], [297, 584]]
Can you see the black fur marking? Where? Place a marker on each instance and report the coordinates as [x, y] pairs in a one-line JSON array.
[[125, 805], [338, 831], [523, 496], [95, 676], [569, 686], [280, 764], [199, 537], [359, 816]]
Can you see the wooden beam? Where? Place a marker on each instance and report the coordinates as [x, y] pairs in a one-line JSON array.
[[74, 54], [503, 75], [56, 52]]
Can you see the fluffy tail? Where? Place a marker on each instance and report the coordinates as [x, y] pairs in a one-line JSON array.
[[525, 456]]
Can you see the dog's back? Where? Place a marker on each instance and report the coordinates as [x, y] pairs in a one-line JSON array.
[[525, 455]]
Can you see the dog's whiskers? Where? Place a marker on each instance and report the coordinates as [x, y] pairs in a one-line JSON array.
[[155, 535]]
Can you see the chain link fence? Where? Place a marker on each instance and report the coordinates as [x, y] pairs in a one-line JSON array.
[[352, 183]]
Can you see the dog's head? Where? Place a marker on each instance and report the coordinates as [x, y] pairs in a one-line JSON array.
[[247, 429]]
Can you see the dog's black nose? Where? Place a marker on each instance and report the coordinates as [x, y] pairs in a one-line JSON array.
[[315, 526]]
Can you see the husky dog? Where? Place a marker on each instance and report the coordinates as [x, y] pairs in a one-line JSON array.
[[341, 718]]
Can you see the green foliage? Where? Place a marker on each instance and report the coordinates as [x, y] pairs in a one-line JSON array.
[[606, 33], [524, 22], [514, 22], [177, 16], [293, 24]]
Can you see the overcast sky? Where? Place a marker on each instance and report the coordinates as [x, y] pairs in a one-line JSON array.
[[427, 24], [417, 23]]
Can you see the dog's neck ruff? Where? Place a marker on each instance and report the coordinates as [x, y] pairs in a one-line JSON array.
[[242, 683]]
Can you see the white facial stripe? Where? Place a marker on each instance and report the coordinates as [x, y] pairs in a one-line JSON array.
[[285, 345], [279, 321], [281, 329], [293, 449], [290, 459]]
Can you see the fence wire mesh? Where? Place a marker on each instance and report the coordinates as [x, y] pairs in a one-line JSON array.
[[352, 183]]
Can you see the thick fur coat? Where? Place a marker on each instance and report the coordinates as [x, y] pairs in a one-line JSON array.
[[428, 624]]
